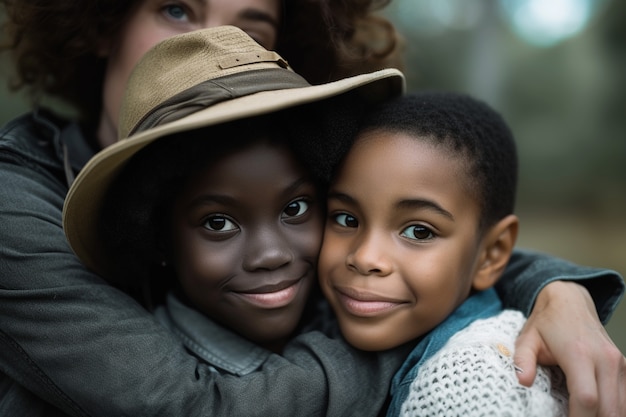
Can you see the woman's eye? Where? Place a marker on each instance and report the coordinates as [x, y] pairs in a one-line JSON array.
[[417, 232], [219, 224], [346, 220], [176, 11], [296, 208]]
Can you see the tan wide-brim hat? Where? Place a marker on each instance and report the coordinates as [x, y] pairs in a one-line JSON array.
[[191, 81]]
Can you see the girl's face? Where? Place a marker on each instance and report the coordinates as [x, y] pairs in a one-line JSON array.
[[246, 236], [401, 246], [155, 20]]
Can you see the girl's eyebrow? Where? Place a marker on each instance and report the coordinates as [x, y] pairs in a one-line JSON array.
[[229, 200], [297, 184], [211, 199]]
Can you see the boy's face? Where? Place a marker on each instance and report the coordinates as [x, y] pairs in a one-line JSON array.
[[246, 236], [400, 247]]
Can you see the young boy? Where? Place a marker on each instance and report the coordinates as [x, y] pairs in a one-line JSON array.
[[420, 227]]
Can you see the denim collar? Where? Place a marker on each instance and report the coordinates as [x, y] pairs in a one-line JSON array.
[[218, 346], [478, 306]]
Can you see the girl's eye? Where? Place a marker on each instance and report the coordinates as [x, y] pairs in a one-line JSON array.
[[175, 11], [346, 220], [296, 208], [417, 232], [219, 223]]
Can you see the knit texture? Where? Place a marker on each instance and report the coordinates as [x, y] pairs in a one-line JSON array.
[[473, 375]]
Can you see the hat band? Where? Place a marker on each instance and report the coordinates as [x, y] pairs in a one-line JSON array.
[[216, 90]]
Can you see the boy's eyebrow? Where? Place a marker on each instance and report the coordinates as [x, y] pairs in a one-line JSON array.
[[341, 197], [413, 204], [422, 203]]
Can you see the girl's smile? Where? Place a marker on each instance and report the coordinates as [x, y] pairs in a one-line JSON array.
[[272, 295]]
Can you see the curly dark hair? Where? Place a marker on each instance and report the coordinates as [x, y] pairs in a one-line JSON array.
[[54, 44], [468, 128]]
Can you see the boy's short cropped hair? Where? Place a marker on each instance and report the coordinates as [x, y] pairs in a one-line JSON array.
[[466, 127]]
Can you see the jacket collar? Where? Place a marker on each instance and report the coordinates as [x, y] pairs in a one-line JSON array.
[[209, 341], [70, 145]]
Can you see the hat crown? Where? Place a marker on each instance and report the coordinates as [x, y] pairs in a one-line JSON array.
[[182, 62]]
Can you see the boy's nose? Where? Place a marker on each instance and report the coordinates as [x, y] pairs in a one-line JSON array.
[[369, 257]]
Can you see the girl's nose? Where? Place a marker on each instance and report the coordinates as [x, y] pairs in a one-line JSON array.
[[267, 249]]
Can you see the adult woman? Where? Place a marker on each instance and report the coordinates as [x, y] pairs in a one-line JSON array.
[[47, 296]]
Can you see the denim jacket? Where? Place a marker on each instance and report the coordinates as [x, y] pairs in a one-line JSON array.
[[87, 348]]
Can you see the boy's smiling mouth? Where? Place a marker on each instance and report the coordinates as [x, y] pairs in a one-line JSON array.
[[364, 303]]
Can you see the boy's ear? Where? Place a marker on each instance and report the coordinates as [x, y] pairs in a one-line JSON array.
[[497, 246]]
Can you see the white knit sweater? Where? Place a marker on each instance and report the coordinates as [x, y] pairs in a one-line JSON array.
[[473, 375]]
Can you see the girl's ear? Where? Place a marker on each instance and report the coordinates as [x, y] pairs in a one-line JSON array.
[[498, 244], [162, 251], [103, 47]]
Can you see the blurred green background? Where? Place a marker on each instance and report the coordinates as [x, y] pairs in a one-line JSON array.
[[556, 70]]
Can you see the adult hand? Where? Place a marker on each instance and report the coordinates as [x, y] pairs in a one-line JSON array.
[[564, 329]]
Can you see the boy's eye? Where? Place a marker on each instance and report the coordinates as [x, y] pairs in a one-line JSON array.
[[346, 220], [219, 223], [296, 208], [417, 232]]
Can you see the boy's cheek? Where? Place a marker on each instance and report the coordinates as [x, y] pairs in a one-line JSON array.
[[332, 256]]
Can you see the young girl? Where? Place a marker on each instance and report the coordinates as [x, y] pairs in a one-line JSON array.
[[420, 228]]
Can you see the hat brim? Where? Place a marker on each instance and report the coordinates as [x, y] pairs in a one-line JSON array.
[[81, 211]]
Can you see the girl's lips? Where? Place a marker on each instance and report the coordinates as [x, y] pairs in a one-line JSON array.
[[365, 304], [270, 297]]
